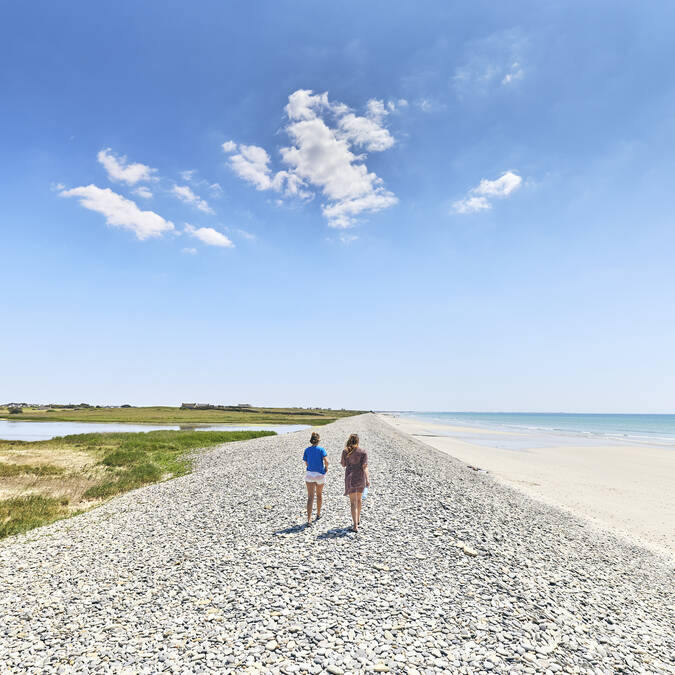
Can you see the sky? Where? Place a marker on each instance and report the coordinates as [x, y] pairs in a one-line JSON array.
[[408, 206]]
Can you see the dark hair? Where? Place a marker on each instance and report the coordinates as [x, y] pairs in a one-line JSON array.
[[314, 438], [352, 443]]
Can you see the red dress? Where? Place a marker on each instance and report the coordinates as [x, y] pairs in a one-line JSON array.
[[355, 475]]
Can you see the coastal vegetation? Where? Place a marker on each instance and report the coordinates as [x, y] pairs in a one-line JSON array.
[[241, 414], [42, 481]]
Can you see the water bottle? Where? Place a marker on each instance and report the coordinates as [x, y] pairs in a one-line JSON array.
[[364, 494]]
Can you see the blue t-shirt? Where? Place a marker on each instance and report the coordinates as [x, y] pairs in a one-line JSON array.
[[314, 455]]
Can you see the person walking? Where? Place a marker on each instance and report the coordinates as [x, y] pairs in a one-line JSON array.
[[316, 464], [355, 461]]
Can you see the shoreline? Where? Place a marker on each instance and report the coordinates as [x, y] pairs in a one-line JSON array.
[[628, 490]]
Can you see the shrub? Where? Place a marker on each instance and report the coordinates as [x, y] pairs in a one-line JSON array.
[[37, 470], [24, 513]]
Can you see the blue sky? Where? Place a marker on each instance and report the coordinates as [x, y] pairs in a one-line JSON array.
[[442, 206]]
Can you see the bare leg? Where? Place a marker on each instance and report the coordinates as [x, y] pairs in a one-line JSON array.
[[358, 507], [355, 515], [310, 500], [319, 501]]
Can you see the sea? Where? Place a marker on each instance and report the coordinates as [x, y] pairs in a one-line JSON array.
[[532, 429]]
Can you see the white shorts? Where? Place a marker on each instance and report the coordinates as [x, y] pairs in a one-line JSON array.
[[315, 477]]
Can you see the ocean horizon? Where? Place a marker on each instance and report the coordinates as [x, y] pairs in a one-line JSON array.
[[638, 427]]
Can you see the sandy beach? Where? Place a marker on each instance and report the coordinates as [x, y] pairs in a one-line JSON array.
[[626, 489]]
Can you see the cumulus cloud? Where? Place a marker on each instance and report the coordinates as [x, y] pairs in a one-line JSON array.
[[209, 236], [501, 187], [303, 104], [368, 131], [320, 159], [143, 192], [478, 198], [252, 164], [186, 195], [120, 211], [471, 205], [119, 170]]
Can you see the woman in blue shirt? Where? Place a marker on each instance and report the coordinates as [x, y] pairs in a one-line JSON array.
[[316, 462]]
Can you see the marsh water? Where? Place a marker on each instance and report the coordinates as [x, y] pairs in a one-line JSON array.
[[43, 431]]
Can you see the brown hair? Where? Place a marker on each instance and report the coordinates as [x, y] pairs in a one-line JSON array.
[[352, 443], [314, 438]]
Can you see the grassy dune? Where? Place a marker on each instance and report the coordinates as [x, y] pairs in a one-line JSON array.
[[172, 415], [42, 481]]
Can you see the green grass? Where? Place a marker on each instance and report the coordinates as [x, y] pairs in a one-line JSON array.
[[142, 458], [20, 514], [172, 415], [103, 465], [35, 470]]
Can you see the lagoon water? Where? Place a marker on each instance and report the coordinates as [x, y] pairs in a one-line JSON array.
[[42, 431]]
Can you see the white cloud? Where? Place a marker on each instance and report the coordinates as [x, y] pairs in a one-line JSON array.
[[229, 146], [365, 132], [189, 251], [375, 109], [209, 236], [143, 192], [471, 205], [120, 171], [215, 189], [320, 159], [501, 187], [395, 106], [478, 198], [252, 164], [304, 105], [185, 194], [342, 213], [188, 175], [119, 211]]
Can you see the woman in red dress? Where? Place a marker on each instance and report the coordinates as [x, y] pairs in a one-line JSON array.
[[355, 461]]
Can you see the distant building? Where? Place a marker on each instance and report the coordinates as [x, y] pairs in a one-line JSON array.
[[244, 405]]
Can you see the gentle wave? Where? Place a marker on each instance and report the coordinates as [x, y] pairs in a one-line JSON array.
[[648, 428]]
